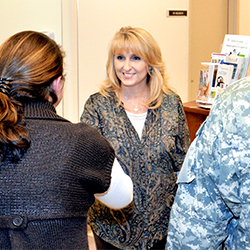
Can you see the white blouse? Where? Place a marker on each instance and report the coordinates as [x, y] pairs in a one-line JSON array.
[[138, 121]]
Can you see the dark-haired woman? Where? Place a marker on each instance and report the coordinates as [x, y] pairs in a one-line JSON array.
[[50, 169]]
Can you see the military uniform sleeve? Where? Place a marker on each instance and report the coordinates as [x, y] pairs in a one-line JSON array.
[[212, 201]]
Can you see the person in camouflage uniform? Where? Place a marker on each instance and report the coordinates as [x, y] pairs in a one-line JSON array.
[[212, 205]]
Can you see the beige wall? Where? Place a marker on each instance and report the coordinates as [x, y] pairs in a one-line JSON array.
[[207, 28], [98, 23], [244, 17], [85, 29], [39, 15]]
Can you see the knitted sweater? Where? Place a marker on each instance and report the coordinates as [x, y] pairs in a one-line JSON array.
[[45, 197]]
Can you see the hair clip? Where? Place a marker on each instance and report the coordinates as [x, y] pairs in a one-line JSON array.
[[5, 86]]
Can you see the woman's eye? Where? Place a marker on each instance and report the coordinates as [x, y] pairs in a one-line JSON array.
[[136, 58], [119, 57]]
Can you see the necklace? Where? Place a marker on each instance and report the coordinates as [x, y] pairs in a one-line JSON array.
[[136, 108]]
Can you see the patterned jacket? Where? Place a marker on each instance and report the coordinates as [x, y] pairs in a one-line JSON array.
[[212, 205], [151, 162], [45, 197]]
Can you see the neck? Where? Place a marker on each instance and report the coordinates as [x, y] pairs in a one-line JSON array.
[[134, 103]]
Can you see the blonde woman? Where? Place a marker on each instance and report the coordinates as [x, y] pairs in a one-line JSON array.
[[145, 123]]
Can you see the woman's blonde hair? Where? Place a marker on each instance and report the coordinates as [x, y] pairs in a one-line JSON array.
[[29, 63], [142, 44]]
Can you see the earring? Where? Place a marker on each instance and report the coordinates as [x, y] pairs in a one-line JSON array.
[[151, 70]]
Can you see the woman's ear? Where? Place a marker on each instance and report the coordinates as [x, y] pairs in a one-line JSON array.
[[57, 86]]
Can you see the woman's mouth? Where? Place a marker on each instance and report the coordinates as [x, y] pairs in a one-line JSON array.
[[128, 74]]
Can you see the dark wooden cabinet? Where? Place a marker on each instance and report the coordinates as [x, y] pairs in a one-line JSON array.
[[195, 117]]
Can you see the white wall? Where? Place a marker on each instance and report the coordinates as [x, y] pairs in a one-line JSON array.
[[98, 22]]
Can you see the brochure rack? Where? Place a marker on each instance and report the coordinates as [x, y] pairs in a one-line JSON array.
[[225, 67]]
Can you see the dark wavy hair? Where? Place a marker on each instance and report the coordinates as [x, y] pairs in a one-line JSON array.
[[29, 62]]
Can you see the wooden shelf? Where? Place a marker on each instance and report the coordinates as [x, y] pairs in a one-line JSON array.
[[195, 117]]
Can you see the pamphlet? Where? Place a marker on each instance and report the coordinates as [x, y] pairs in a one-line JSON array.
[[235, 45], [208, 73]]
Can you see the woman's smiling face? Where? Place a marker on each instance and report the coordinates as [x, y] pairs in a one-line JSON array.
[[130, 68]]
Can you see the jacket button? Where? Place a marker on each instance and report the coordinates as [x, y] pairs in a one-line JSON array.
[[17, 221]]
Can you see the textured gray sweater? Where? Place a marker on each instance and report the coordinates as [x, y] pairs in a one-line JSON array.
[[45, 197]]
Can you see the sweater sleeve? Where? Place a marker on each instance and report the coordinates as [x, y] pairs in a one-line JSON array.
[[92, 159]]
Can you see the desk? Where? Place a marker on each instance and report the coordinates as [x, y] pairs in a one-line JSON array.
[[195, 117]]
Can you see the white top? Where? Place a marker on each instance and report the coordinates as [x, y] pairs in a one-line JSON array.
[[138, 121], [120, 192]]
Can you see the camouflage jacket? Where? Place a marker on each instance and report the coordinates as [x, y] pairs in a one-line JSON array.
[[212, 205]]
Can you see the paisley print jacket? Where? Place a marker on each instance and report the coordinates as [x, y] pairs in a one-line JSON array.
[[151, 162]]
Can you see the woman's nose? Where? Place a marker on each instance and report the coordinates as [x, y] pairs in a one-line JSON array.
[[127, 65]]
